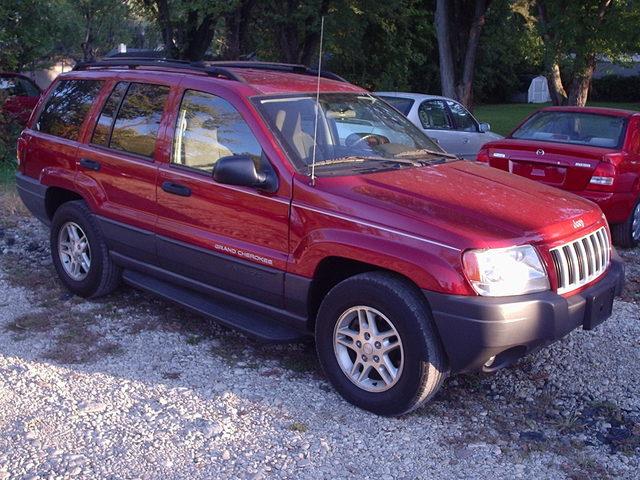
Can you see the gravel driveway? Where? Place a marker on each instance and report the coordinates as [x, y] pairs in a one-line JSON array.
[[132, 387]]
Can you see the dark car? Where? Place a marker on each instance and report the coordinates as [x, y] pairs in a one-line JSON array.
[[593, 152], [18, 96], [243, 193]]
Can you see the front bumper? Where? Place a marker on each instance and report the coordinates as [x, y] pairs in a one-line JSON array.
[[475, 329]]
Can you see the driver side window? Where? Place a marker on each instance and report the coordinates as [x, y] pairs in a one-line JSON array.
[[434, 116], [209, 128], [463, 119]]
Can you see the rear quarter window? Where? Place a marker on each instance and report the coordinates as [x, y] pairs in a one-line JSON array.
[[67, 106]]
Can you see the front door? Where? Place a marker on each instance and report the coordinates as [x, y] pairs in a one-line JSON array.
[[232, 238]]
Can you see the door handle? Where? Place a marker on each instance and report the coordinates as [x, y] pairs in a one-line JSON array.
[[176, 189], [89, 164]]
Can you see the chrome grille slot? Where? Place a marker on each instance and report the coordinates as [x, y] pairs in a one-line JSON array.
[[581, 261]]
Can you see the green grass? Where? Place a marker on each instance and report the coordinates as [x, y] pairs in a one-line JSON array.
[[505, 117]]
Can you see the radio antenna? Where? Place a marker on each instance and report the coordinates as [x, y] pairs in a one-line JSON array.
[[317, 107]]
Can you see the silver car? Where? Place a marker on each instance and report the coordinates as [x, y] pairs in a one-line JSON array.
[[444, 120]]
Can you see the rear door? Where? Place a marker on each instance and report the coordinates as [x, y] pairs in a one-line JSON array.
[[434, 119], [118, 169], [229, 237]]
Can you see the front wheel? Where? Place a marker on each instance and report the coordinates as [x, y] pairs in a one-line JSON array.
[[627, 234], [377, 344]]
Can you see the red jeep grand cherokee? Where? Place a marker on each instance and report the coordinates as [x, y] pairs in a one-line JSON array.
[[594, 152], [193, 181]]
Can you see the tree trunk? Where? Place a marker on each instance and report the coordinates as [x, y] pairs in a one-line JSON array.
[[465, 88], [236, 27], [579, 89], [556, 88], [447, 72]]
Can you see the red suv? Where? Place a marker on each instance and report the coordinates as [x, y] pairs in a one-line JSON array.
[[245, 195], [594, 152]]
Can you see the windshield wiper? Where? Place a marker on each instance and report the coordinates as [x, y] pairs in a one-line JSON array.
[[423, 151], [357, 159]]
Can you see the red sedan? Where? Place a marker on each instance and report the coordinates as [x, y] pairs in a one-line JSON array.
[[593, 152], [18, 96]]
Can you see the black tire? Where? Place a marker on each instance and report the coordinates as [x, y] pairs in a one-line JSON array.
[[425, 366], [622, 233], [102, 276]]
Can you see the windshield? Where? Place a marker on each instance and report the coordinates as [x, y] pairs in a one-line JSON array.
[[570, 127], [354, 131]]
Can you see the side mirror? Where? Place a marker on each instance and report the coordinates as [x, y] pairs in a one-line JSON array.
[[241, 170], [485, 127]]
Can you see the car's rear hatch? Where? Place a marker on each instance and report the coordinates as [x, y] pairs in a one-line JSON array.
[[565, 166]]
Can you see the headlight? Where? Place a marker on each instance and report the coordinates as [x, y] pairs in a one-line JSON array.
[[505, 271]]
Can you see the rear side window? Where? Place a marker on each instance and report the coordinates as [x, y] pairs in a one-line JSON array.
[[208, 129], [67, 106], [138, 120], [433, 115], [402, 104], [102, 131]]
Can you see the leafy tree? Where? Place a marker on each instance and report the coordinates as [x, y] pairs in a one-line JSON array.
[[575, 33], [509, 55], [187, 27], [27, 32]]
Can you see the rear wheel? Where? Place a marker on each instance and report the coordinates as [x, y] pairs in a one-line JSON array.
[[377, 344], [627, 234], [79, 252]]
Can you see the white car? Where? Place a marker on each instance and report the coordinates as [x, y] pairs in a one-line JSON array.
[[444, 120]]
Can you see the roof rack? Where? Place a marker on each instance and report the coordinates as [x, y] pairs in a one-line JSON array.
[[134, 62], [278, 67], [215, 69]]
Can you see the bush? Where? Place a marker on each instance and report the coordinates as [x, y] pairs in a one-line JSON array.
[[9, 132], [615, 88]]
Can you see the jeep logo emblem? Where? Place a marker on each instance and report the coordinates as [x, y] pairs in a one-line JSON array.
[[540, 152], [578, 224]]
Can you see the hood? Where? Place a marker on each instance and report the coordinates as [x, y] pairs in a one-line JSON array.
[[462, 204]]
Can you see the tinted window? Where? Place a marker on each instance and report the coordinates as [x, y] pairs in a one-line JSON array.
[[572, 127], [462, 117], [17, 86], [137, 123], [209, 128], [103, 126], [67, 106], [402, 104], [433, 114]]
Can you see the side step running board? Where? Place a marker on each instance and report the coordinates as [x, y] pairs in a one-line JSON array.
[[250, 322]]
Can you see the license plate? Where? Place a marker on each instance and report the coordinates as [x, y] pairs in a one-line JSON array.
[[599, 307]]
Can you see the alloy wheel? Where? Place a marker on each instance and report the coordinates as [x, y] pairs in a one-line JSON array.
[[368, 349], [74, 251]]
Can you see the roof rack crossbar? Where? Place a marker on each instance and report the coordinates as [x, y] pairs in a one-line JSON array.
[[133, 62]]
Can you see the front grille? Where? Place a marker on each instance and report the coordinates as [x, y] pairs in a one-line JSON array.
[[581, 261]]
